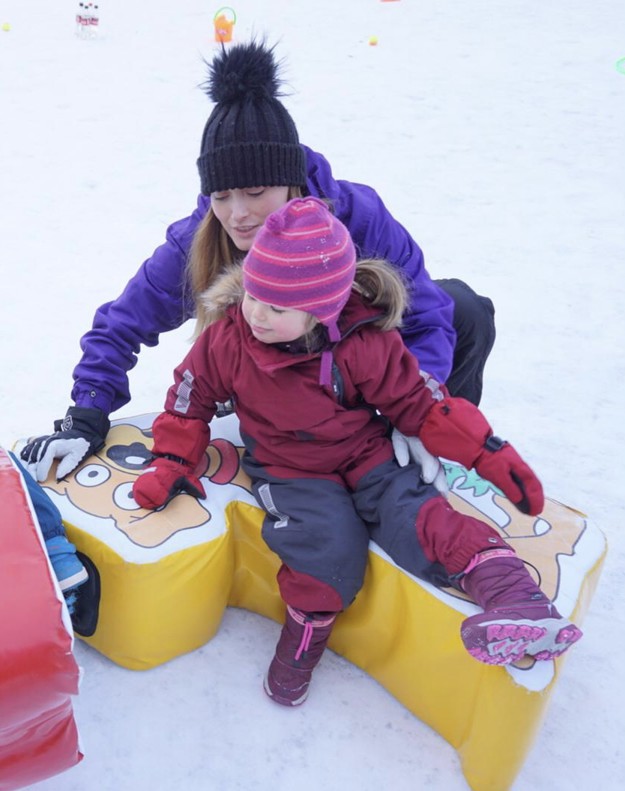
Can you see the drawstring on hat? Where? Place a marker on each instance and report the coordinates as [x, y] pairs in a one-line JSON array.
[[334, 335]]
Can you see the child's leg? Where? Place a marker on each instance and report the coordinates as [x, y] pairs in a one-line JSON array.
[[518, 618], [312, 526], [433, 541], [416, 525], [68, 569], [47, 513], [302, 641]]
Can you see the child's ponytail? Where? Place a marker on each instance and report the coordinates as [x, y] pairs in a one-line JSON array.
[[382, 286]]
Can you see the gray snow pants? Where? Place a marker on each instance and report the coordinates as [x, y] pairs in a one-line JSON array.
[[321, 531]]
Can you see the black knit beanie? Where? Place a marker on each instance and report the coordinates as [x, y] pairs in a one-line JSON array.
[[249, 140]]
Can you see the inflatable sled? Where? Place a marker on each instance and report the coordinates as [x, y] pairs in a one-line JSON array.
[[161, 581], [38, 672]]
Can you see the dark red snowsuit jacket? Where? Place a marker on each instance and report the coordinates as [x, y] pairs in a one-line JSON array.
[[290, 423]]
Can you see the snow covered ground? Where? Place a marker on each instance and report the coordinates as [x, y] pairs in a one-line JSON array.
[[495, 131]]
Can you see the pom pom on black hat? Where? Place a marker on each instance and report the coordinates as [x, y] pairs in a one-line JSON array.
[[244, 71], [249, 140]]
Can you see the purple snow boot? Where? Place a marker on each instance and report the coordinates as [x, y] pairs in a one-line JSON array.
[[518, 618], [302, 641]]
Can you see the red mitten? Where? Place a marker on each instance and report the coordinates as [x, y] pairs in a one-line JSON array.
[[163, 480], [500, 464], [456, 429], [180, 438]]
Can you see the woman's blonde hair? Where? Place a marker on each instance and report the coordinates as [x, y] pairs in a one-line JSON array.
[[212, 252]]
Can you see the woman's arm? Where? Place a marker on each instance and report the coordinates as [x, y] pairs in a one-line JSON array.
[[428, 323], [153, 301]]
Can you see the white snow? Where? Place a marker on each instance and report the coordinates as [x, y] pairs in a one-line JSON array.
[[495, 131]]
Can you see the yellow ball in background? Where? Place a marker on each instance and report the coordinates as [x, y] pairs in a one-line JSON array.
[[6, 27], [373, 40]]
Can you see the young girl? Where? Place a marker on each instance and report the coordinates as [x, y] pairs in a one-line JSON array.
[[305, 344]]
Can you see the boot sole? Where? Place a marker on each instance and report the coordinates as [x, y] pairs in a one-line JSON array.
[[74, 580], [282, 699], [504, 641]]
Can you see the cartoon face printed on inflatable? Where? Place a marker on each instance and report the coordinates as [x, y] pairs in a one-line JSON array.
[[102, 487]]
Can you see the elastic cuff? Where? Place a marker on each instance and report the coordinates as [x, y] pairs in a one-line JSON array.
[[91, 398], [301, 617], [481, 557]]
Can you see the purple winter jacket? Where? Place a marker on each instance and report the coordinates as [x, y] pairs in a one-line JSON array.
[[155, 299]]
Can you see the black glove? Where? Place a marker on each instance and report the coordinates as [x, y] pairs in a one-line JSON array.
[[80, 434]]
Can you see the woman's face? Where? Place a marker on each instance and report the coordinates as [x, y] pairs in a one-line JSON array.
[[243, 211]]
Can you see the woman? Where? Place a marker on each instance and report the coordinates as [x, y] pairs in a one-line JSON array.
[[251, 162]]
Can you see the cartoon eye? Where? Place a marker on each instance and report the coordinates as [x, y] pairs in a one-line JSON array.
[[132, 462], [130, 457], [93, 475], [123, 497]]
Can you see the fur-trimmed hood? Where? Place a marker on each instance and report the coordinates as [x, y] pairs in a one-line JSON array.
[[226, 291]]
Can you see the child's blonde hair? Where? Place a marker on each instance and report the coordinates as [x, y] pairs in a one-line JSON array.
[[383, 286]]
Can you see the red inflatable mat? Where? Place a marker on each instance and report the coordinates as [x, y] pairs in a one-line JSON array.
[[38, 672]]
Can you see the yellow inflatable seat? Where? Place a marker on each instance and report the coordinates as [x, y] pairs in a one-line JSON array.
[[166, 577]]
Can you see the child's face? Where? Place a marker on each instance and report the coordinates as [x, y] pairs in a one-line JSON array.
[[271, 324], [243, 211]]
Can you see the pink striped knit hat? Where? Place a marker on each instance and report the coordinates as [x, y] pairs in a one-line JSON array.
[[302, 258]]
